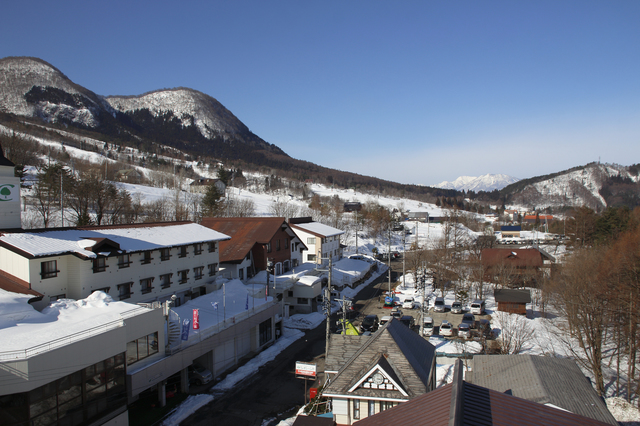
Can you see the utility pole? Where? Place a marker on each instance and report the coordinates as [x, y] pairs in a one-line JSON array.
[[404, 237], [389, 259], [327, 307], [356, 231]]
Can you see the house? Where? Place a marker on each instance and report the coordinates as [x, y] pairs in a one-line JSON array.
[[322, 241], [370, 374], [201, 185], [542, 218], [129, 176], [555, 382], [257, 242], [512, 301], [523, 266], [302, 297], [510, 231], [9, 195], [465, 403], [138, 263]]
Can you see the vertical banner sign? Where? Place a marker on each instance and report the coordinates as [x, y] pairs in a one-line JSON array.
[[185, 329], [196, 319], [246, 307]]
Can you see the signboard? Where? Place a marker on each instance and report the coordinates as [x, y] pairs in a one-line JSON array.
[[9, 201], [196, 319], [305, 369], [185, 329]]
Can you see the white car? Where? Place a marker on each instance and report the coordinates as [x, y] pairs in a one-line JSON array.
[[427, 326], [446, 329], [464, 331], [408, 303], [456, 308]]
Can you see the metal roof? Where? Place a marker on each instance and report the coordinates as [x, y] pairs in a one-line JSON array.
[[546, 380], [512, 296]]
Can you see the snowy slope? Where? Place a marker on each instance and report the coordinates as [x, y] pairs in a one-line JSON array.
[[487, 183]]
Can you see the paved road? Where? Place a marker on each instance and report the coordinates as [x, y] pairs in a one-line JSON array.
[[274, 392]]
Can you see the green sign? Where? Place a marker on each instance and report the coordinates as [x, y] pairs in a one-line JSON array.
[[6, 194]]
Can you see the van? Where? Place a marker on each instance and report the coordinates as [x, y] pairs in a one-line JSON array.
[[199, 375], [477, 307], [438, 305]]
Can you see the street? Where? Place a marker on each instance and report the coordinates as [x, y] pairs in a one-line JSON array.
[[274, 392]]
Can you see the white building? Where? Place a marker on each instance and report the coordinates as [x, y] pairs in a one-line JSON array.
[[137, 263], [322, 241]]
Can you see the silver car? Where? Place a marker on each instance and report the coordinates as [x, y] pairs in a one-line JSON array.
[[456, 308]]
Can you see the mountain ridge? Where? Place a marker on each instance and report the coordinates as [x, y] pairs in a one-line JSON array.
[[487, 183]]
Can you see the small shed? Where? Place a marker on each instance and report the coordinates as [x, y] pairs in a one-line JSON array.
[[512, 301]]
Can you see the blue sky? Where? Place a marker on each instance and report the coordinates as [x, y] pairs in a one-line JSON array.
[[411, 91]]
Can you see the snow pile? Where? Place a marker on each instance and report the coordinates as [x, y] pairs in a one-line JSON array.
[[304, 321], [22, 327], [622, 411], [187, 408]]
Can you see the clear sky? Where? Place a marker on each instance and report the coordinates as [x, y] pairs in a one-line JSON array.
[[410, 91]]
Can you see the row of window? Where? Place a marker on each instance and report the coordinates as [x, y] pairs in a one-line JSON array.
[[278, 248], [382, 405], [49, 269], [72, 400], [312, 240], [146, 284]]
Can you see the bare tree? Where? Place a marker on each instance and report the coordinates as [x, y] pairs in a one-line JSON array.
[[515, 332]]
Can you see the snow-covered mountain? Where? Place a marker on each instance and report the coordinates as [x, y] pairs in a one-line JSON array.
[[487, 183], [595, 185]]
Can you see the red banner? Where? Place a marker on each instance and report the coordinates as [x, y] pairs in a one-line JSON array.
[[196, 319]]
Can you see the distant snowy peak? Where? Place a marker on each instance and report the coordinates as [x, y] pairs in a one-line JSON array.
[[487, 182], [208, 114]]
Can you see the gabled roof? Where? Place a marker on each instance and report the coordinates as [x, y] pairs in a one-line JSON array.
[[512, 296], [526, 257], [245, 232], [315, 228], [14, 284], [129, 238], [546, 380], [463, 403], [402, 354], [4, 161]]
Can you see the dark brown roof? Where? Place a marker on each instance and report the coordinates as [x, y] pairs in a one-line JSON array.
[[313, 421], [14, 284], [245, 232], [512, 296], [515, 257], [4, 161]]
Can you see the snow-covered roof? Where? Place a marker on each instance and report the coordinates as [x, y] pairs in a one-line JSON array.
[[23, 328], [308, 280], [318, 228], [130, 239]]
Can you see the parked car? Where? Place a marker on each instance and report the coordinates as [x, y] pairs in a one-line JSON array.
[[446, 329], [438, 305], [408, 303], [468, 318], [369, 323], [408, 321], [396, 313], [385, 319], [427, 326], [477, 307], [464, 330], [456, 308], [199, 375]]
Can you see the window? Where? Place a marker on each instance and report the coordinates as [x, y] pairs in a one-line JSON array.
[[265, 331], [182, 276], [356, 409], [277, 245], [311, 240], [372, 407], [385, 405], [311, 257], [99, 264], [165, 280], [124, 290], [49, 269], [213, 268], [286, 243], [124, 260], [241, 273], [57, 297], [146, 285], [141, 348], [103, 289], [197, 272], [268, 247], [290, 293], [165, 253], [212, 247], [303, 301], [183, 251], [197, 249], [146, 257]]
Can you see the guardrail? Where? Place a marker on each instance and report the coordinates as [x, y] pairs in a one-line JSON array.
[[72, 338]]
